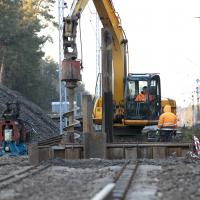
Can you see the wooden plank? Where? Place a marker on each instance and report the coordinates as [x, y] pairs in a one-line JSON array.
[[87, 114], [33, 154], [131, 153], [115, 153], [96, 148], [159, 152], [95, 145], [59, 153], [184, 151], [174, 151], [44, 154], [145, 152], [72, 153], [107, 118]]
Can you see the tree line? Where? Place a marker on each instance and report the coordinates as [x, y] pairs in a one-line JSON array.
[[22, 64]]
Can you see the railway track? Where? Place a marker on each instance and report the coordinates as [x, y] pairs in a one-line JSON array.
[[21, 174], [7, 163], [134, 182], [22, 162], [119, 189]]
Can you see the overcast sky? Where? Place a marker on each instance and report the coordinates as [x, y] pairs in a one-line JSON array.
[[164, 37]]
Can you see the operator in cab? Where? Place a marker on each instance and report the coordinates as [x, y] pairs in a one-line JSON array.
[[167, 124], [142, 96]]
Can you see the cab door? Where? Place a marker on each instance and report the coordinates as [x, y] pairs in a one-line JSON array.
[[154, 97]]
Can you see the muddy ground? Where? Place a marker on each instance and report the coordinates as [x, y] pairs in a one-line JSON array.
[[178, 178]]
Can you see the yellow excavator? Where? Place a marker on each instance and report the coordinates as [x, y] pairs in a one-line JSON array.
[[128, 113]]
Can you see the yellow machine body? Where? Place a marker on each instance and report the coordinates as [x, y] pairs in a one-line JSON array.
[[123, 95]]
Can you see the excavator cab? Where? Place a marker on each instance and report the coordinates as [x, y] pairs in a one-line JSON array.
[[141, 112]]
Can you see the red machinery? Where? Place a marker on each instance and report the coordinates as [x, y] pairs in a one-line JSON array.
[[13, 134]]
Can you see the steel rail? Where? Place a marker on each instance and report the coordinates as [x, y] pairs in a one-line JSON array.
[[21, 174], [119, 189]]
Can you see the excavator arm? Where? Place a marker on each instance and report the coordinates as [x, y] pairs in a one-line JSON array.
[[109, 19], [77, 7]]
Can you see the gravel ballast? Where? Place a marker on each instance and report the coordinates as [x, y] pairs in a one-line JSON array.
[[41, 125]]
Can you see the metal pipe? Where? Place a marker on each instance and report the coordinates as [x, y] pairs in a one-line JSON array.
[[60, 11], [105, 192]]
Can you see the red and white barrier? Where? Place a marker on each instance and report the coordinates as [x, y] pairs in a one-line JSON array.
[[196, 145]]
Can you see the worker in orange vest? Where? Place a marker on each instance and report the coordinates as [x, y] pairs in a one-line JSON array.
[[144, 95], [142, 98], [167, 123], [167, 119]]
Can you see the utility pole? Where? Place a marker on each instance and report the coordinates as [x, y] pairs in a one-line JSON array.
[[62, 94]]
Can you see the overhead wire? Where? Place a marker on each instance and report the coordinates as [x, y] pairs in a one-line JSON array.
[[98, 78], [92, 13]]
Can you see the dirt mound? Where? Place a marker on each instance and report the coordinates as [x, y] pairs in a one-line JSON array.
[[36, 120]]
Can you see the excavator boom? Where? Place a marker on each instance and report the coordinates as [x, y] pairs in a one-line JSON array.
[[109, 19]]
